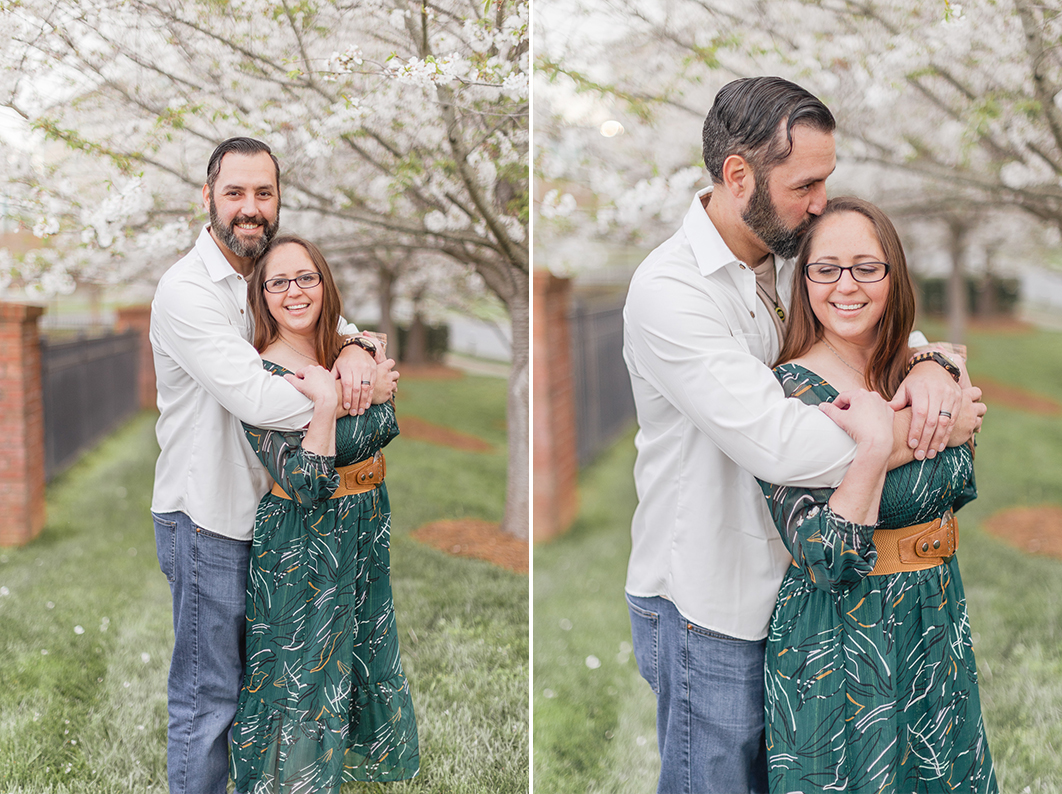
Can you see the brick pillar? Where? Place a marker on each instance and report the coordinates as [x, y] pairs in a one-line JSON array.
[[21, 425], [556, 464], [138, 318]]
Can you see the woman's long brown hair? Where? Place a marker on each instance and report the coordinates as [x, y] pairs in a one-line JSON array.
[[888, 360], [327, 341]]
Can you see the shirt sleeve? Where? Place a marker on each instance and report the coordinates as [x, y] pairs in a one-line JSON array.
[[190, 325], [308, 478], [682, 345]]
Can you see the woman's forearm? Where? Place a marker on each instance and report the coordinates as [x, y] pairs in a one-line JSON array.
[[320, 437], [858, 496]]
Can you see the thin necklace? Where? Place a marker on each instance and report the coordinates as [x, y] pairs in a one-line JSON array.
[[293, 350], [838, 358]]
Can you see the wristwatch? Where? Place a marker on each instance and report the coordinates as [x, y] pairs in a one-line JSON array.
[[364, 343], [933, 355]]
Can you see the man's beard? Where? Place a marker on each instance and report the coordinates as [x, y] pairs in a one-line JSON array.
[[227, 234], [762, 217]]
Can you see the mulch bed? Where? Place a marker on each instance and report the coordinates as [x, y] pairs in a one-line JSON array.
[[413, 427], [1035, 530], [427, 372], [463, 537], [1013, 397], [472, 537]]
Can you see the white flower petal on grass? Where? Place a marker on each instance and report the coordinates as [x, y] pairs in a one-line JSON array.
[[44, 652], [641, 741], [4, 591], [549, 694], [50, 605], [566, 624], [145, 657], [126, 684], [593, 662], [79, 629]]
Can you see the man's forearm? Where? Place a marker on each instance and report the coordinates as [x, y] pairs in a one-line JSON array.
[[902, 452]]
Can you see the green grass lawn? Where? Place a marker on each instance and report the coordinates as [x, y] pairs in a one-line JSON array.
[[595, 724], [86, 626]]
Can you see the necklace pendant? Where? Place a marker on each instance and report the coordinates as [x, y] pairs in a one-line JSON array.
[[780, 312]]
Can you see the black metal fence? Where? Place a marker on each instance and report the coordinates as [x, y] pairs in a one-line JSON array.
[[604, 404], [90, 386]]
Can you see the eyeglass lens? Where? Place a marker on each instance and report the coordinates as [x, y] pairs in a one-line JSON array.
[[865, 272], [305, 281]]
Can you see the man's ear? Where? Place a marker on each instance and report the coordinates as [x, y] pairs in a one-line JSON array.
[[737, 176], [206, 198]]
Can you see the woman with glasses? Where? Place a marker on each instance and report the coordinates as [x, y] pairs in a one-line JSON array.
[[324, 698], [871, 684]]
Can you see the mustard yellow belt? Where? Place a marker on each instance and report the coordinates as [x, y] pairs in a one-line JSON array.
[[356, 478], [917, 547]]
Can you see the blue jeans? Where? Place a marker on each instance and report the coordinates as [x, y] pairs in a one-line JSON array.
[[709, 702], [208, 580]]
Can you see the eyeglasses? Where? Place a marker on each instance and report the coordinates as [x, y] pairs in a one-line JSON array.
[[305, 281], [864, 272]]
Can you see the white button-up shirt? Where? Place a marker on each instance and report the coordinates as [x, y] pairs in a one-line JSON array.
[[210, 378], [712, 418]]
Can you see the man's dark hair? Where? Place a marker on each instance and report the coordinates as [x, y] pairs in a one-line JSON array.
[[246, 146], [745, 117]]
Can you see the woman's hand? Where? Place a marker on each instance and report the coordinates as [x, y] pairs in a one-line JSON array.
[[321, 386], [317, 383], [386, 382], [865, 416]]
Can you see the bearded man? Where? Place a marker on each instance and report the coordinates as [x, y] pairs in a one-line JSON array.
[[705, 314], [208, 481]]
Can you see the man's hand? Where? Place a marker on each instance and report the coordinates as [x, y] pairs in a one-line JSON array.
[[969, 418], [935, 398], [386, 382], [356, 369]]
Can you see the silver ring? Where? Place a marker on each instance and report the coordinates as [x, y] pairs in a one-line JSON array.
[[946, 413], [367, 382]]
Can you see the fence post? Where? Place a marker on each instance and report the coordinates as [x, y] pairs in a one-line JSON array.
[[138, 318], [21, 425], [556, 466]]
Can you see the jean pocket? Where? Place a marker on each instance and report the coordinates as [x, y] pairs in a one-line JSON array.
[[166, 545], [645, 634]]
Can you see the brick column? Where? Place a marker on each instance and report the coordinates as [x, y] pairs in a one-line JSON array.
[[138, 318], [556, 465], [21, 425]]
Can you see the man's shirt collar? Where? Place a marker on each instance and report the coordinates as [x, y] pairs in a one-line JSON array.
[[217, 266]]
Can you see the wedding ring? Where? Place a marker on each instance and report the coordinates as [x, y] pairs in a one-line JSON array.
[[946, 413], [367, 382]]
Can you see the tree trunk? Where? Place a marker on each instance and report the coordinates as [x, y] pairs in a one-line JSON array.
[[417, 341], [385, 298], [958, 310], [517, 518]]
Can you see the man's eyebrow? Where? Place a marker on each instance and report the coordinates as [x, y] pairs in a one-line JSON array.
[[241, 187]]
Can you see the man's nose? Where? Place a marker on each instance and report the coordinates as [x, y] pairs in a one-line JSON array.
[[818, 199], [249, 206]]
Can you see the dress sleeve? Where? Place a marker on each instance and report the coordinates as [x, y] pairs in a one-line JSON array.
[[833, 553], [367, 434], [308, 478]]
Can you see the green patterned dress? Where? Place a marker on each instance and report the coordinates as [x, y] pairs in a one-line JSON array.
[[871, 684], [324, 698]]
